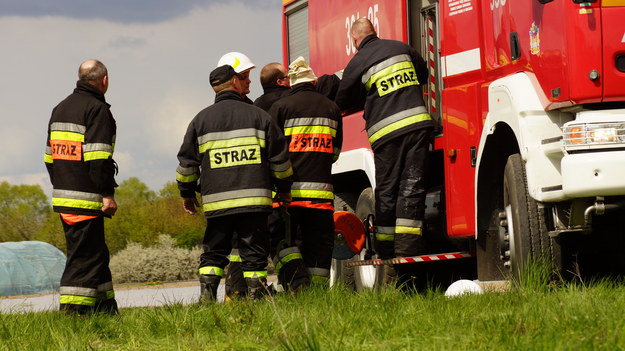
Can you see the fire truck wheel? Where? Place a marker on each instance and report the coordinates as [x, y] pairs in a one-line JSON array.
[[523, 231], [368, 277]]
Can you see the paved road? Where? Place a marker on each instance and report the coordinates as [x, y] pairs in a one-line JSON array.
[[136, 296]]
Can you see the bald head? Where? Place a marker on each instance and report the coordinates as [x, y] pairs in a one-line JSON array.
[[361, 28], [95, 73], [273, 74]]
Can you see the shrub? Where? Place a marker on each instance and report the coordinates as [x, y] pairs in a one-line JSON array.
[[162, 262]]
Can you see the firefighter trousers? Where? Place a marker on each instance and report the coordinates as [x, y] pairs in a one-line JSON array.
[[400, 171], [253, 243], [86, 283], [312, 231]]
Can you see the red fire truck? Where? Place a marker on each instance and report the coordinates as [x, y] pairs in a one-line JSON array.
[[529, 95]]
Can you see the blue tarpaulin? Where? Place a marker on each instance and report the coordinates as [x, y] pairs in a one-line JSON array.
[[30, 267]]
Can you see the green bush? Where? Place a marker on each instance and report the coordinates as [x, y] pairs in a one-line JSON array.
[[161, 262]]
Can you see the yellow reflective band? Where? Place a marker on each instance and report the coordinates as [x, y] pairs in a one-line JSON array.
[[187, 179], [211, 270], [398, 125], [220, 144], [314, 194], [310, 130], [67, 136], [96, 155], [86, 204], [246, 201], [393, 78], [77, 300], [47, 158], [407, 230], [283, 174], [255, 274], [385, 237], [235, 258], [235, 156]]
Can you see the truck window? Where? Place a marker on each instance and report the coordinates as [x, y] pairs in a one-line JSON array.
[[297, 30]]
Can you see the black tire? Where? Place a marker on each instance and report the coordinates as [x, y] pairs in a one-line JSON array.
[[523, 230]]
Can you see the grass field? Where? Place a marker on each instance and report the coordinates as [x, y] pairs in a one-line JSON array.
[[531, 316]]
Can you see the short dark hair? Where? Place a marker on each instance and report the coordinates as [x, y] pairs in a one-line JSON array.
[[91, 71], [270, 73]]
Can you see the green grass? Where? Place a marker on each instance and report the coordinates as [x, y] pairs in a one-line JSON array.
[[532, 316]]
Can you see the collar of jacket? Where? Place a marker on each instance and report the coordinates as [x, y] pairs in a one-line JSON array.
[[274, 88], [367, 40], [88, 89], [228, 95], [308, 86]]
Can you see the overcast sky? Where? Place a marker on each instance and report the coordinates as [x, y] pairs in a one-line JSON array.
[[159, 54]]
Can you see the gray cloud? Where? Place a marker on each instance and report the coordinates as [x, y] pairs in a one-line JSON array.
[[120, 11]]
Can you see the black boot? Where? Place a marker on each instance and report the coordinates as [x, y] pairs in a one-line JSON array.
[[208, 287], [106, 306], [235, 283], [257, 287], [76, 310]]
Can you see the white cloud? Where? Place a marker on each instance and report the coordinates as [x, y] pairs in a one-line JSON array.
[[158, 74]]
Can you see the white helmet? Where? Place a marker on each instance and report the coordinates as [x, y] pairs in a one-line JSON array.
[[237, 60]]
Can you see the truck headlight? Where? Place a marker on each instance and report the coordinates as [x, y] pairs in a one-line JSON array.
[[588, 134]]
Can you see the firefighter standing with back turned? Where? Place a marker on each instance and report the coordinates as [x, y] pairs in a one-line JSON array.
[[388, 74], [312, 125], [79, 151], [235, 155]]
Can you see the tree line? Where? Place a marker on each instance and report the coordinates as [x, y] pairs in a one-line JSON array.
[[26, 214]]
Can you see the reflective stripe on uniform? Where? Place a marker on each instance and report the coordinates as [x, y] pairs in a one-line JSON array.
[[211, 270], [77, 300], [385, 233], [47, 155], [310, 130], [78, 291], [255, 274], [312, 190], [281, 170], [234, 258], [310, 125], [76, 199], [97, 151], [287, 255], [320, 272], [366, 77], [67, 136], [237, 137], [236, 198], [408, 226], [397, 121], [187, 174], [68, 127]]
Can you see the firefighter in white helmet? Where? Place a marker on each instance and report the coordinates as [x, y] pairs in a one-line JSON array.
[[235, 283], [242, 65]]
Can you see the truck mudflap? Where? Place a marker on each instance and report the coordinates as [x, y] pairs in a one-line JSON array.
[[413, 259]]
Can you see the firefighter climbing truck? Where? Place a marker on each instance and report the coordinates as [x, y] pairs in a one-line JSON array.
[[529, 95]]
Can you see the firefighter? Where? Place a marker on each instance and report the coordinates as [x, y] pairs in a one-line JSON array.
[[235, 155], [276, 84], [387, 75], [234, 281], [79, 160], [313, 128]]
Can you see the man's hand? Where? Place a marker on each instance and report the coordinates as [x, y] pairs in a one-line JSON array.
[[283, 198], [109, 206], [189, 204]]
